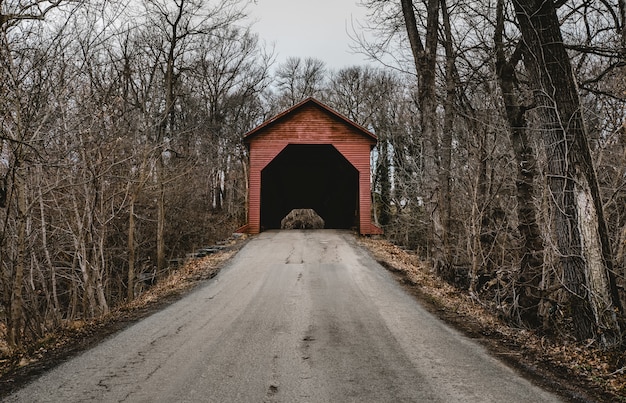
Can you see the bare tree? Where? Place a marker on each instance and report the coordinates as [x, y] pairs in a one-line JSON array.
[[425, 57], [372, 98], [231, 75], [531, 264], [179, 22], [24, 113], [582, 243], [298, 79]]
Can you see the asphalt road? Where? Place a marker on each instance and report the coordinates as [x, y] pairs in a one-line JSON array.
[[296, 316]]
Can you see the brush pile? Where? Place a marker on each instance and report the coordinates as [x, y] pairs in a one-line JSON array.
[[302, 219]]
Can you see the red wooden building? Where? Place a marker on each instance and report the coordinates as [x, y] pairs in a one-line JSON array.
[[310, 156]]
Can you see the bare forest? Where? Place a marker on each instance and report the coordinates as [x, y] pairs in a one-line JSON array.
[[501, 157]]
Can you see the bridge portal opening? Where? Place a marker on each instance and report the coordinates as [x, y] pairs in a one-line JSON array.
[[310, 176]]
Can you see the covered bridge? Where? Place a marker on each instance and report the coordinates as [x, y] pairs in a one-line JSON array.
[[310, 156]]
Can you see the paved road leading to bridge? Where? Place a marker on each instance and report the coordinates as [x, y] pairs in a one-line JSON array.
[[296, 316]]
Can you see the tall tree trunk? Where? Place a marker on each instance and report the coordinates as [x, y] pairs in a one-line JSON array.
[[622, 13], [99, 234], [166, 129], [130, 295], [446, 137], [425, 57], [531, 263], [244, 165], [479, 206], [99, 268], [582, 242], [160, 255], [82, 239], [56, 309], [385, 183], [17, 301]]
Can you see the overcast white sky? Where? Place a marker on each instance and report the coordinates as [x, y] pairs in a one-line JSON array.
[[309, 28]]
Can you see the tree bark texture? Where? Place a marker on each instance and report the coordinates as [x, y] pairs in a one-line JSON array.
[[531, 262], [622, 12], [16, 323], [160, 247], [385, 183], [425, 57], [579, 229], [446, 137], [46, 249], [130, 292]]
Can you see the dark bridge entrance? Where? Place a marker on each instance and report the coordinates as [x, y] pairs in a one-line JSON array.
[[310, 176]]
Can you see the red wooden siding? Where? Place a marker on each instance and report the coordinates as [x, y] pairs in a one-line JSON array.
[[310, 122]]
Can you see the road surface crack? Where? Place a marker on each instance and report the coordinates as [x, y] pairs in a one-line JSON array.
[[306, 343], [274, 384], [291, 259]]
